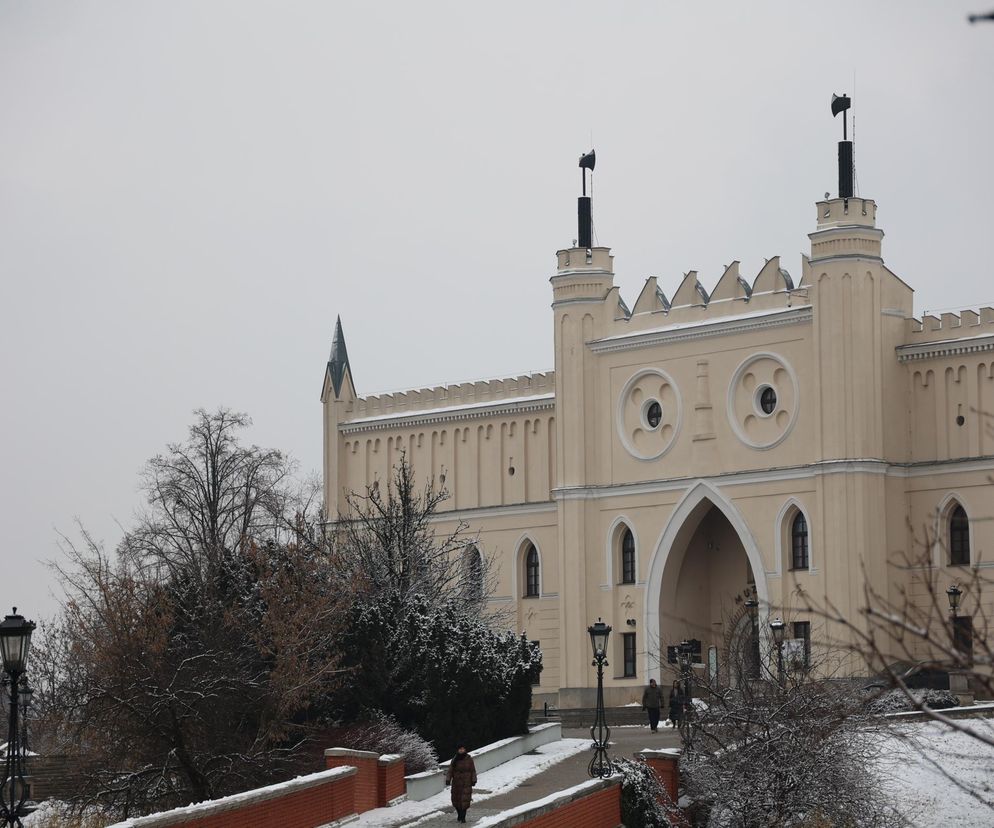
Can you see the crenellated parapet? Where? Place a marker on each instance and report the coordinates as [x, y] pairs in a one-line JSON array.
[[969, 331], [732, 301], [459, 395], [967, 322]]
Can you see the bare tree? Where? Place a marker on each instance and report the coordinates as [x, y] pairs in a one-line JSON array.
[[189, 665], [790, 746], [389, 547]]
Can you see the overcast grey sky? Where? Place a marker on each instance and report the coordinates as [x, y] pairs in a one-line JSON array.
[[191, 191]]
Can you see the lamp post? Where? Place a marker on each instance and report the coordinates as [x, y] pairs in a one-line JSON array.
[[752, 608], [953, 594], [15, 641], [685, 654], [777, 626], [600, 763]]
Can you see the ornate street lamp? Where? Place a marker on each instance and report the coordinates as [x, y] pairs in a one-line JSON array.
[[953, 594], [777, 626], [15, 642], [600, 763]]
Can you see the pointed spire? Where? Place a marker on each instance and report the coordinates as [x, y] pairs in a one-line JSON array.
[[338, 361]]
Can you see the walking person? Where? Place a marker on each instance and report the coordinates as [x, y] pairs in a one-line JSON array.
[[461, 775], [652, 701], [676, 705]]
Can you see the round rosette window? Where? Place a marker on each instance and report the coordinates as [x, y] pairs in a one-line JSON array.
[[648, 415], [762, 400]]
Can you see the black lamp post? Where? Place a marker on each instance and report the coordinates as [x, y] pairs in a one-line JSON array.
[[777, 626], [15, 641], [752, 607], [685, 660], [953, 594], [600, 763]]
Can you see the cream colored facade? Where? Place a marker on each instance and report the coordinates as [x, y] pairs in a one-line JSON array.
[[873, 435]]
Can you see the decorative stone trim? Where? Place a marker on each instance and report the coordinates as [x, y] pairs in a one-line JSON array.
[[739, 396], [630, 414], [720, 326], [479, 512], [823, 467], [945, 347], [472, 411]]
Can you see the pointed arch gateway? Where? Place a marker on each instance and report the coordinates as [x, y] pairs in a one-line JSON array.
[[704, 525]]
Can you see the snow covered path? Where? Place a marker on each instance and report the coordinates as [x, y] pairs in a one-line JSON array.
[[437, 810]]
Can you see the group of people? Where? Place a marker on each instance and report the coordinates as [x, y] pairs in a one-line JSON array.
[[652, 703]]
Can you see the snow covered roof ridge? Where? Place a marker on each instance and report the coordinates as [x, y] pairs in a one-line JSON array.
[[457, 395]]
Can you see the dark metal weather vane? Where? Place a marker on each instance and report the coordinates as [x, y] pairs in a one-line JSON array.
[[841, 104], [583, 207]]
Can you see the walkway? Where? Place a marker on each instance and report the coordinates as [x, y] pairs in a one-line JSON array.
[[625, 742]]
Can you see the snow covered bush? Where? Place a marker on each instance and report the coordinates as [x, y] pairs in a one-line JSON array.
[[897, 701], [55, 814], [438, 670], [384, 735], [645, 803]]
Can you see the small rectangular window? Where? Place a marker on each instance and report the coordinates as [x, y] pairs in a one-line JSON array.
[[628, 642], [537, 676], [802, 632]]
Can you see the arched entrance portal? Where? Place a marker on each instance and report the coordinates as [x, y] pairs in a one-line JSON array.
[[705, 566]]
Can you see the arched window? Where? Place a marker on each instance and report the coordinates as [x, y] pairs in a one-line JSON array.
[[799, 542], [531, 572], [473, 573], [627, 557], [959, 537]]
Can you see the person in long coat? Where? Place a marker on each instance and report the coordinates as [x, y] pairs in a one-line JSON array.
[[676, 704], [461, 775]]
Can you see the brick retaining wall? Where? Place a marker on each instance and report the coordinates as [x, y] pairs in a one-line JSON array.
[[593, 804], [367, 776], [390, 784], [306, 802]]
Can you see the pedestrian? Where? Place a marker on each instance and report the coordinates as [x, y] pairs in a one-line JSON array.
[[461, 775], [676, 705], [652, 700]]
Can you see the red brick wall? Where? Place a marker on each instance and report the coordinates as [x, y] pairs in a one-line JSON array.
[[390, 781], [307, 808], [601, 809], [668, 772], [366, 794]]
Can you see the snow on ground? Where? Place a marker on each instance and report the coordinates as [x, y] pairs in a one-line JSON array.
[[491, 783], [921, 764]]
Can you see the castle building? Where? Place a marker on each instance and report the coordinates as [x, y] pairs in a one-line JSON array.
[[689, 453]]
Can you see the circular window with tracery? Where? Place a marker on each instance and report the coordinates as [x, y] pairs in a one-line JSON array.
[[763, 400], [648, 414]]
